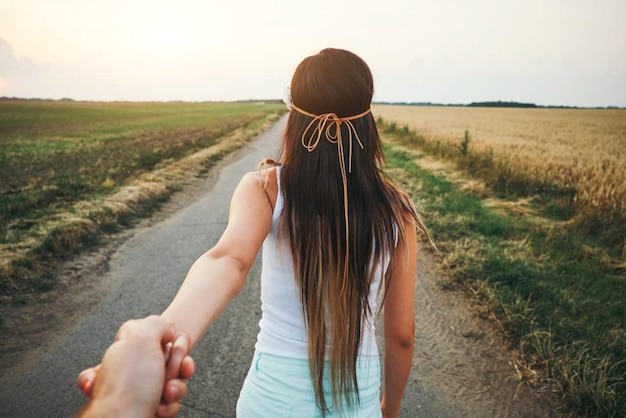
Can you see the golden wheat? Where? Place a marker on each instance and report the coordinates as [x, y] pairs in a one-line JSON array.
[[580, 148]]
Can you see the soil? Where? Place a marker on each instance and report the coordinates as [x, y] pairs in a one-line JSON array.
[[462, 357]]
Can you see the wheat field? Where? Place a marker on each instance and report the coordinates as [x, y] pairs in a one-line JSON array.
[[580, 148]]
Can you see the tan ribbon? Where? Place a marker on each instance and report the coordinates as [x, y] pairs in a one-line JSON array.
[[325, 123]]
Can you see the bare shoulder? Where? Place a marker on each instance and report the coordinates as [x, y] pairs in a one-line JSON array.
[[265, 181], [254, 182], [261, 177]]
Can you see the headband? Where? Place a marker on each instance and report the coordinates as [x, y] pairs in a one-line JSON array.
[[325, 123]]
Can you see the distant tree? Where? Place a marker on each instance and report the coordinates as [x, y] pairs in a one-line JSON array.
[[501, 104]]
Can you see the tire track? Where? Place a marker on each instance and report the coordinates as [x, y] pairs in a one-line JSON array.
[[459, 362]]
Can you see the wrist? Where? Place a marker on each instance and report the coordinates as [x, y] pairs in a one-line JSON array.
[[388, 412]]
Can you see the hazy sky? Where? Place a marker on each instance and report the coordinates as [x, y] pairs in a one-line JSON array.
[[556, 52]]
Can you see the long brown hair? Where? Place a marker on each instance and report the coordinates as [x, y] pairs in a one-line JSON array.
[[336, 249]]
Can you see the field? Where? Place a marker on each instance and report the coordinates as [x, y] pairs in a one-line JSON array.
[[508, 205], [526, 205], [575, 156], [72, 170]]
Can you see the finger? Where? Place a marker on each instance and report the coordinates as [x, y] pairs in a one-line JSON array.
[[167, 347], [180, 349], [167, 351], [173, 391], [187, 368], [166, 328], [86, 379], [168, 410]]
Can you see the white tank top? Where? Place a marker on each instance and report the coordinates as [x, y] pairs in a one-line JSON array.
[[282, 327]]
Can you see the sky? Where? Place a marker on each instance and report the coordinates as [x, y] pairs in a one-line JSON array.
[[548, 52]]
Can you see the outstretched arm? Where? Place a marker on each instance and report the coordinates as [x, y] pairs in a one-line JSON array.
[[213, 280], [219, 274], [399, 323]]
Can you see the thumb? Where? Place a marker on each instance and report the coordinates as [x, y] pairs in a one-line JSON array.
[[86, 379]]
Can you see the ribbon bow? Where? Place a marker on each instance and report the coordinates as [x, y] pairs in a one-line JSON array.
[[325, 124]]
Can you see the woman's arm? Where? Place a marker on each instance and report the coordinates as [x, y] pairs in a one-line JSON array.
[[213, 280], [398, 323], [219, 275]]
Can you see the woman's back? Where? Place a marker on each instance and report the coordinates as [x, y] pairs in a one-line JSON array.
[[283, 329], [343, 220]]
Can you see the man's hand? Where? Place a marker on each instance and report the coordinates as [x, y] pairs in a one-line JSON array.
[[131, 380]]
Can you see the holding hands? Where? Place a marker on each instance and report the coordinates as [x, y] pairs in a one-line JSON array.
[[142, 373]]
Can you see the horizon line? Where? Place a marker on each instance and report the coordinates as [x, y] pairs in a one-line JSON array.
[[482, 103]]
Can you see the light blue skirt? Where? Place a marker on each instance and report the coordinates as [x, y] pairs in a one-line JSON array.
[[281, 387]]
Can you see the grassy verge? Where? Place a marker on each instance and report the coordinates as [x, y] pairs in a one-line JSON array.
[[72, 172], [556, 295]]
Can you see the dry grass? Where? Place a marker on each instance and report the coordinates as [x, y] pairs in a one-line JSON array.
[[579, 149], [572, 147]]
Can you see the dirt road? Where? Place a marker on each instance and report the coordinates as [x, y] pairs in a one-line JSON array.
[[457, 369]]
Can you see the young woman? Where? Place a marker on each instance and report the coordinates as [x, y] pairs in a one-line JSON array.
[[335, 233]]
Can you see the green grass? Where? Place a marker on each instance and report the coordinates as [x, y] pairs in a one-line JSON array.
[[55, 155], [557, 299]]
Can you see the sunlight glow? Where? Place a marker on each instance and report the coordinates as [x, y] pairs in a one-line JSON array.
[[164, 38]]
